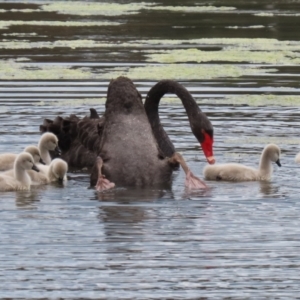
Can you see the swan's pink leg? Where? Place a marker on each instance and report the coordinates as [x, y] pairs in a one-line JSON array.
[[192, 182], [102, 183]]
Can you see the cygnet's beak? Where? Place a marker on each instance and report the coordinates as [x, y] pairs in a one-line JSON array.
[[57, 151], [278, 162], [60, 180], [35, 168], [41, 161]]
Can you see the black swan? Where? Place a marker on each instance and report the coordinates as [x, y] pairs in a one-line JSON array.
[[129, 138]]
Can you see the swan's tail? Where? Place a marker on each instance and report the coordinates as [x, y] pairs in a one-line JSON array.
[[77, 138]]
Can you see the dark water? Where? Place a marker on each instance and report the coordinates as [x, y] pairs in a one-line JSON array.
[[235, 241]]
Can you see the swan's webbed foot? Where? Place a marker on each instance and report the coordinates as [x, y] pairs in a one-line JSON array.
[[192, 182], [102, 183]]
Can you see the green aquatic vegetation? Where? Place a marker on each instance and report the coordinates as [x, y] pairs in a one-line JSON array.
[[272, 49], [114, 9], [263, 140], [93, 8], [259, 44], [20, 34], [250, 100], [11, 69], [14, 70], [73, 102], [7, 24], [230, 55], [182, 72], [194, 9], [277, 14], [25, 10], [24, 44], [246, 27], [263, 14], [259, 100]]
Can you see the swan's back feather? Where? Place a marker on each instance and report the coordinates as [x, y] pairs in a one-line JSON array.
[[231, 172], [78, 138]]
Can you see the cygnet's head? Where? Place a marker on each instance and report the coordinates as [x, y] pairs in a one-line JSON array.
[[49, 141], [59, 169], [36, 154], [273, 152], [25, 161]]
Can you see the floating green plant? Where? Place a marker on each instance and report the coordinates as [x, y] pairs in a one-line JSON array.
[[94, 8], [227, 45], [231, 55], [13, 70], [264, 14], [194, 9], [115, 9], [263, 140], [22, 70], [183, 72], [259, 100], [74, 102], [6, 24], [246, 27], [24, 10]]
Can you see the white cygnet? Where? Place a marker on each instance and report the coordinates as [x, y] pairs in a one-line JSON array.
[[56, 171], [48, 142], [7, 159], [240, 172], [18, 178]]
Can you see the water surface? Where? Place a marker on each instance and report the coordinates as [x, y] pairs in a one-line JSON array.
[[240, 61]]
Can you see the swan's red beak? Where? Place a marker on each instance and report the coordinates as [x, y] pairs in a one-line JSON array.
[[207, 147]]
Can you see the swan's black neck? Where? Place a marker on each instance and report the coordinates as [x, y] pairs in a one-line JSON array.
[[151, 106]]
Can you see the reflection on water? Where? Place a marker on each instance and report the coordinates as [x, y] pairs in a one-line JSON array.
[[235, 240], [27, 199]]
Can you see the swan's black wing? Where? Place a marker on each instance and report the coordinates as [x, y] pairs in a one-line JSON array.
[[78, 139]]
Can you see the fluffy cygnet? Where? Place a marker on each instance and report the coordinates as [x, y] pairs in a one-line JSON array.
[[18, 178], [48, 142], [239, 172], [297, 158], [56, 171], [7, 159]]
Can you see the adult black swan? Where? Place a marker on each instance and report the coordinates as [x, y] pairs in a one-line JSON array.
[[134, 148]]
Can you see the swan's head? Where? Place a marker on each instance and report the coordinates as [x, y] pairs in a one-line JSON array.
[[273, 152], [203, 131], [36, 154], [49, 141], [59, 169], [25, 161], [123, 97]]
